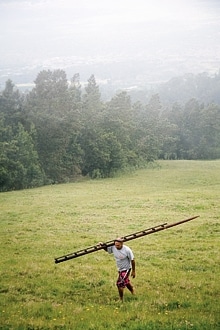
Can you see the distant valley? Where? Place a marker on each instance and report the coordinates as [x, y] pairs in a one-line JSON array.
[[115, 72]]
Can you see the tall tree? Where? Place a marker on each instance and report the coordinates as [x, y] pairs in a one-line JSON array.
[[48, 97], [54, 114], [92, 104], [75, 93], [11, 104], [150, 129], [118, 120]]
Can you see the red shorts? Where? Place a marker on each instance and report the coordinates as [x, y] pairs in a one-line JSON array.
[[123, 278]]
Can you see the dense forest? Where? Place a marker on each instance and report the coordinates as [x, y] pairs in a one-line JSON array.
[[60, 130]]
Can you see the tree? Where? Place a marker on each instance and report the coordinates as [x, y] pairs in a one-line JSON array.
[[102, 154], [19, 164], [117, 119], [49, 95], [31, 174], [151, 129], [209, 127], [11, 105], [75, 93], [53, 108], [75, 112], [92, 104]]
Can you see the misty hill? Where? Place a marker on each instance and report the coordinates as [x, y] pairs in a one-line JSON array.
[[203, 87]]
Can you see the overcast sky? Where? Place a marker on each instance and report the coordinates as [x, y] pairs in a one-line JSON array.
[[35, 30]]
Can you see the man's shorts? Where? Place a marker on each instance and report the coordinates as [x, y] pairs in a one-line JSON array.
[[123, 278]]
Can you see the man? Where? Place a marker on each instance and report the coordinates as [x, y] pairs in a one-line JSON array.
[[125, 263]]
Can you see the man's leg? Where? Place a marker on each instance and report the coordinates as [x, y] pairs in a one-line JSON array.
[[121, 293], [130, 288]]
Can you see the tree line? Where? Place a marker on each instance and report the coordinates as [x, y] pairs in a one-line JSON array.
[[60, 130]]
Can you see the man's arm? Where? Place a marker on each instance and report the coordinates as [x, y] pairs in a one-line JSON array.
[[133, 268]]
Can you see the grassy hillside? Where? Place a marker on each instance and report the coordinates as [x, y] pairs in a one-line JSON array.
[[177, 281]]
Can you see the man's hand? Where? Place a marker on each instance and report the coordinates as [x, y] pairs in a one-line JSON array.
[[103, 245], [133, 274]]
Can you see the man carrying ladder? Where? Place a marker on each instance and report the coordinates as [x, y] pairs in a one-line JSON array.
[[125, 262]]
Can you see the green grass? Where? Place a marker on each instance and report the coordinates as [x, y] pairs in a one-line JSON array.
[[177, 283]]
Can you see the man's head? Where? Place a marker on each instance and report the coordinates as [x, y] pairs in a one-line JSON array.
[[118, 243]]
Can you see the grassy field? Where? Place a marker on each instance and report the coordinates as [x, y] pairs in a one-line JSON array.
[[177, 277]]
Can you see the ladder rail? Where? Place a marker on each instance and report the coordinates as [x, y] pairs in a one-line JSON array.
[[126, 238]]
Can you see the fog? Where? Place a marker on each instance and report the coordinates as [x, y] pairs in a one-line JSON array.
[[143, 39]]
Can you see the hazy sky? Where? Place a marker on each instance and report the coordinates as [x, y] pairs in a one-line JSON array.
[[37, 30]]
